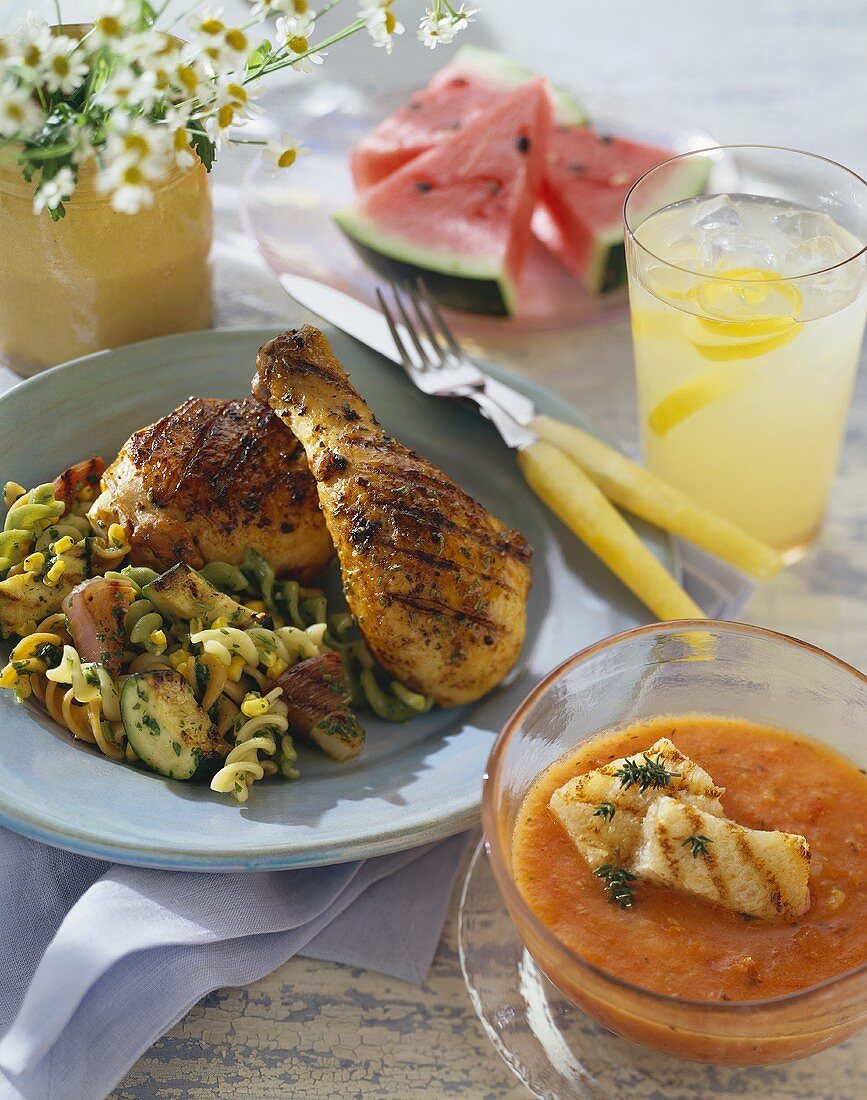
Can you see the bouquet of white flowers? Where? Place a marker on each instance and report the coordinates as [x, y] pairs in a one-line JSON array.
[[134, 99]]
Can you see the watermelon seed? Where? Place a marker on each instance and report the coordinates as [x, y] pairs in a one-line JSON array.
[[459, 82], [522, 144], [606, 139], [423, 185], [415, 106], [494, 187], [577, 167]]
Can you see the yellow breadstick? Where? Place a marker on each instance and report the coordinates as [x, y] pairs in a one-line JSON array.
[[571, 495], [644, 494]]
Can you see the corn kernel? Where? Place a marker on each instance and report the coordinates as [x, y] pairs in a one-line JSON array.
[[8, 677], [33, 563], [11, 492], [117, 534], [254, 705], [62, 545], [55, 573], [236, 668], [157, 638], [219, 623], [255, 605], [278, 668], [85, 492], [177, 659]]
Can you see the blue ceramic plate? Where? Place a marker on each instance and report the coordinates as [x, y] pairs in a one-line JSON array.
[[413, 783]]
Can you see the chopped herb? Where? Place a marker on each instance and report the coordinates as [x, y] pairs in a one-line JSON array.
[[176, 746], [699, 844], [151, 723], [651, 774], [606, 810], [618, 884]]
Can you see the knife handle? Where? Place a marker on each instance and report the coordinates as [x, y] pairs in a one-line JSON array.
[[572, 496]]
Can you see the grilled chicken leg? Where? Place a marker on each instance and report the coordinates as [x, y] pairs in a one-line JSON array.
[[437, 585]]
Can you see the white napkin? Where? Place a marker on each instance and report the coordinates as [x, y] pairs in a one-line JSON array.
[[101, 959]]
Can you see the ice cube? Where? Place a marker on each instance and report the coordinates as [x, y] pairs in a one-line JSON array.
[[800, 225], [717, 213], [726, 250], [815, 254]]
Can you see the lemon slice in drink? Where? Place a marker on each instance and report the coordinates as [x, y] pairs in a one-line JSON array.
[[746, 313], [693, 396]]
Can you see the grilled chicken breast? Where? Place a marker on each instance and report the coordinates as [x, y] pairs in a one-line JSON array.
[[437, 584], [213, 478]]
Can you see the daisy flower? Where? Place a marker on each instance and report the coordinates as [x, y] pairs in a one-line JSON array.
[[262, 9], [232, 105], [137, 153], [20, 114], [51, 193], [440, 29], [381, 23], [295, 31], [32, 46], [127, 88], [176, 122], [64, 71], [115, 20], [283, 152]]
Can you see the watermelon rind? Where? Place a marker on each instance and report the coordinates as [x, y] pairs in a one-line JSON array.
[[502, 71], [605, 269], [470, 284]]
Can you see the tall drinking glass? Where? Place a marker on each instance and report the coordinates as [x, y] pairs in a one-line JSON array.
[[748, 312]]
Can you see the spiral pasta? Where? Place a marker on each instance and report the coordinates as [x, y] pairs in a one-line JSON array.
[[256, 733]]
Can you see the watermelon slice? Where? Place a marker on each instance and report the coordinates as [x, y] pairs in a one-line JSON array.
[[471, 83], [587, 177], [459, 214]]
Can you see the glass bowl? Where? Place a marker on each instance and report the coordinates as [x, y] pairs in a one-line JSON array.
[[696, 666]]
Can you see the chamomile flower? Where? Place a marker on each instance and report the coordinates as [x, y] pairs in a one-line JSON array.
[[32, 48], [51, 193], [295, 32], [20, 114], [64, 70], [232, 105], [128, 88], [117, 18], [283, 152], [176, 123], [224, 46], [381, 22], [440, 29], [263, 9]]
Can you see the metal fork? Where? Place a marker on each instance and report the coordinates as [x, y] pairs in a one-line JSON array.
[[437, 364]]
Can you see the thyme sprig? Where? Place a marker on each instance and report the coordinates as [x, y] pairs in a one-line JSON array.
[[699, 844], [651, 774], [618, 884], [606, 810]]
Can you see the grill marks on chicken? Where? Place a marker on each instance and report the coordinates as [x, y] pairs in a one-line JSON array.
[[437, 584], [213, 478]]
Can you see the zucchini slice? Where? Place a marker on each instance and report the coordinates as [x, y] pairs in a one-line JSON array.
[[167, 728], [181, 594]]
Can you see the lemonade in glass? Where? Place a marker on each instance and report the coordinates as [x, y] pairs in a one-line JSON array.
[[748, 311]]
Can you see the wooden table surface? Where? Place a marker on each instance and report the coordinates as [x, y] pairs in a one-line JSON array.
[[787, 72]]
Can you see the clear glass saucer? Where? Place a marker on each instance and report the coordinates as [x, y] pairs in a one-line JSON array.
[[561, 1054], [289, 214]]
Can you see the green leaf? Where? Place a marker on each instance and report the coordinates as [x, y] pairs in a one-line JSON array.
[[147, 16], [259, 57], [202, 144]]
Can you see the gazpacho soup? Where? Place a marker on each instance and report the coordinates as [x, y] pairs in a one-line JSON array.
[[701, 857]]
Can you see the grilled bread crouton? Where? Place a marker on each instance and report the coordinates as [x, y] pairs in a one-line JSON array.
[[760, 874], [611, 837]]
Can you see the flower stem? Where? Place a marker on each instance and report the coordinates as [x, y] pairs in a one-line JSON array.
[[57, 14], [288, 62]]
